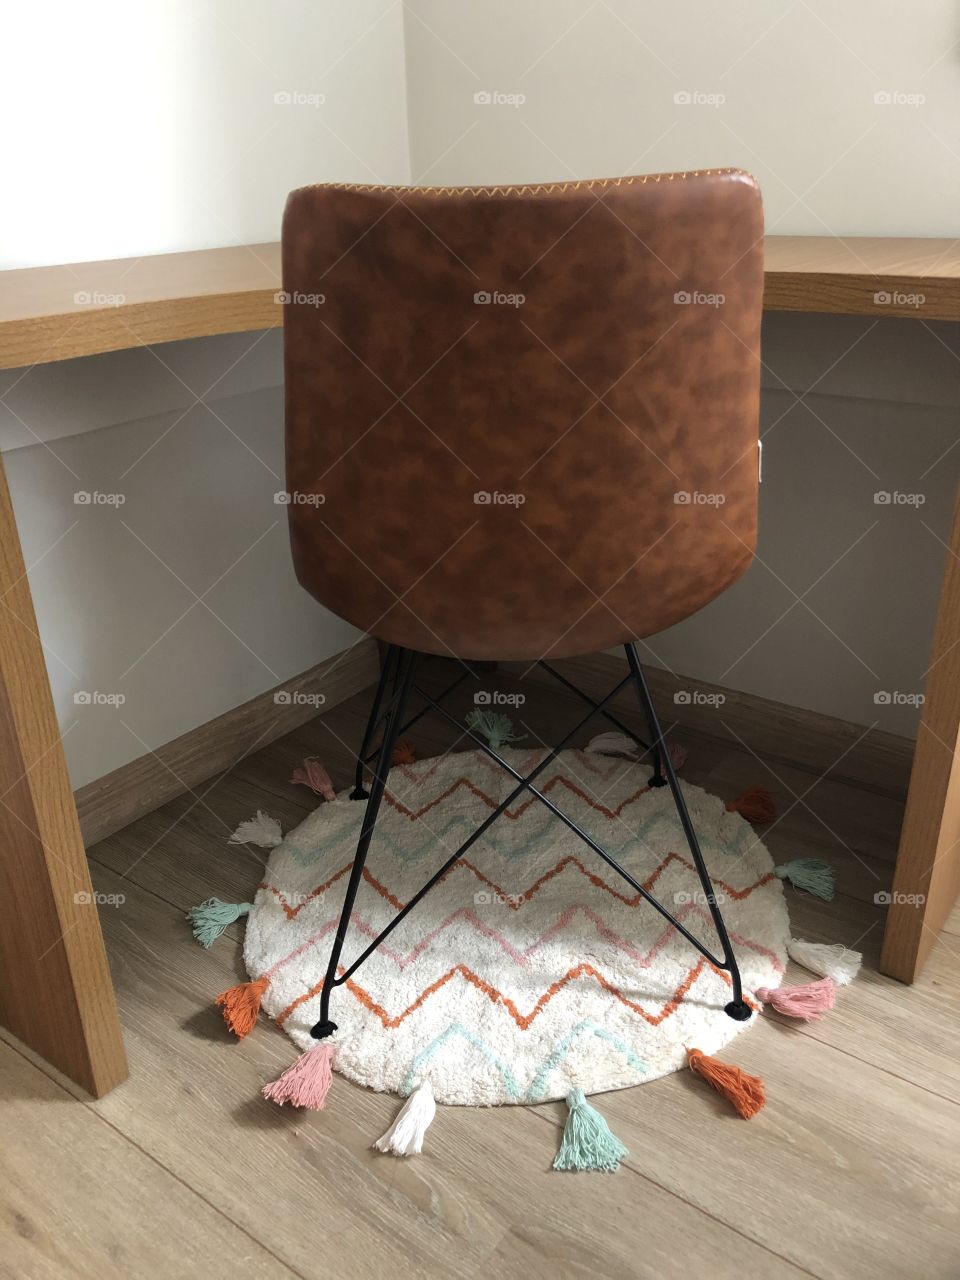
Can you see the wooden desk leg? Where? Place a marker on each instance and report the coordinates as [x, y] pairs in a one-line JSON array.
[[927, 876], [55, 989]]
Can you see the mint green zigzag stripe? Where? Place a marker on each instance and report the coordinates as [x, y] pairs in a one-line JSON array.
[[458, 1029], [538, 1087], [511, 852]]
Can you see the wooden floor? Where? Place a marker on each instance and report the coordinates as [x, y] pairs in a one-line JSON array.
[[852, 1170]]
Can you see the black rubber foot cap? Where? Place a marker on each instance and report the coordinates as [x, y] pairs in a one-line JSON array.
[[358, 793], [739, 1010], [322, 1030], [657, 781]]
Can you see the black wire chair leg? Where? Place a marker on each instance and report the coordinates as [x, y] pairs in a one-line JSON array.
[[524, 785], [466, 674], [584, 697], [405, 663], [737, 1007], [656, 779], [386, 674]]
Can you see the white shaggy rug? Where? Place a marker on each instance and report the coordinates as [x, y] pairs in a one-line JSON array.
[[532, 967]]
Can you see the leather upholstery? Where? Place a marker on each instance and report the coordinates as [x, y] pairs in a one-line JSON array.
[[598, 400]]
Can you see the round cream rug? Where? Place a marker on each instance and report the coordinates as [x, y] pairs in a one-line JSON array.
[[532, 968]]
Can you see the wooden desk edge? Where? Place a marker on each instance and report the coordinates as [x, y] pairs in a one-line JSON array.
[[66, 332], [881, 297], [70, 335]]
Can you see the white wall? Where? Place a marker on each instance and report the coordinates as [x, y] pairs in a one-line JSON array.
[[797, 77], [182, 600], [840, 604], [153, 126], [141, 129]]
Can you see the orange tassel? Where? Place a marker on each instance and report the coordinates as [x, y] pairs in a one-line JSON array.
[[403, 752], [756, 804], [745, 1092], [241, 1005]]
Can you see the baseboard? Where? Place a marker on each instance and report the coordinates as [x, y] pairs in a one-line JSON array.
[[873, 759], [118, 798]]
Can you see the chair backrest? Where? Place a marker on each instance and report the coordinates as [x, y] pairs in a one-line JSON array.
[[523, 421]]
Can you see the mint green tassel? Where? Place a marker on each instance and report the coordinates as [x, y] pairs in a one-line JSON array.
[[587, 1140], [812, 874], [213, 916], [494, 725]]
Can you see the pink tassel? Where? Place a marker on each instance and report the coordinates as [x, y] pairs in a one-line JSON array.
[[678, 755], [314, 775], [307, 1082], [808, 1002]]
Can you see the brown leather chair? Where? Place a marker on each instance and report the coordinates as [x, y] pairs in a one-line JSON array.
[[522, 423]]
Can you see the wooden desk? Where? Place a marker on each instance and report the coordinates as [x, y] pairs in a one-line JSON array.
[[47, 922], [131, 301], [845, 277]]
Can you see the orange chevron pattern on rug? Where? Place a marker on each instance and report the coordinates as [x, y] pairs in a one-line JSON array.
[[530, 967], [515, 901], [523, 1020]]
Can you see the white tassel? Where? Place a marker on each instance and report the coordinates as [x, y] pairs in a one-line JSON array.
[[613, 744], [829, 960], [405, 1135], [261, 830]]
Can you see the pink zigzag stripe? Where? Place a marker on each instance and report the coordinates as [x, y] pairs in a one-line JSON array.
[[523, 957]]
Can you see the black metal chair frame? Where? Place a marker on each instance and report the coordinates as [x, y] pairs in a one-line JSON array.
[[398, 671]]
